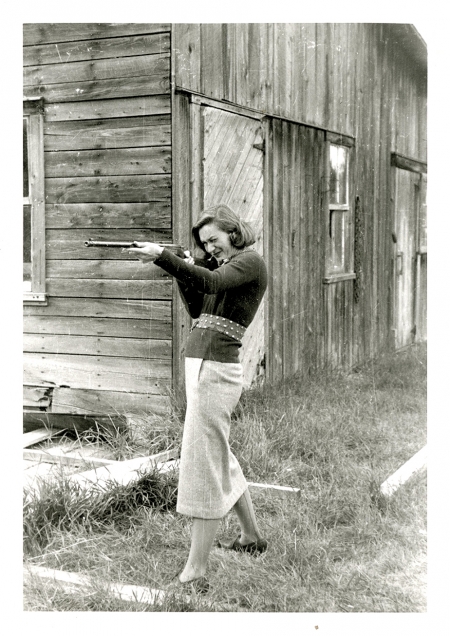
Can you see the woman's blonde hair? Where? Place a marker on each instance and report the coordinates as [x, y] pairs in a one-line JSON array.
[[241, 233]]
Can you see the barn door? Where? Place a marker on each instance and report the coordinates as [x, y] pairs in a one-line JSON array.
[[407, 200], [233, 174]]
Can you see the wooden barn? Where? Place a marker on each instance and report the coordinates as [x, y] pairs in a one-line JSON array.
[[315, 133]]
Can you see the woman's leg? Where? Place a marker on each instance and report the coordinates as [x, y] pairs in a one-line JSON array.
[[203, 533], [247, 519]]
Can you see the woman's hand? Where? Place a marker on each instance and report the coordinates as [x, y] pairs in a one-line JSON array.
[[188, 258], [146, 252]]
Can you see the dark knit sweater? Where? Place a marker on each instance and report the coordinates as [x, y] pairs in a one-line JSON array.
[[233, 290]]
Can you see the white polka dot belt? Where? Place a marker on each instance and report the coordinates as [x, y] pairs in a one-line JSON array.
[[219, 323]]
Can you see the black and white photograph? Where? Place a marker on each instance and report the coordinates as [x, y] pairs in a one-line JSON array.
[[225, 319]]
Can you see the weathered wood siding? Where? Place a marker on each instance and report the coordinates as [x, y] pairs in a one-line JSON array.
[[296, 329], [104, 341], [359, 80]]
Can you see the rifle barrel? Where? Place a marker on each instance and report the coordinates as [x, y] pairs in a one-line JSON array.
[[178, 249]]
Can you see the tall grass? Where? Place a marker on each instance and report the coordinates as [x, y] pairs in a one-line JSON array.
[[335, 546]]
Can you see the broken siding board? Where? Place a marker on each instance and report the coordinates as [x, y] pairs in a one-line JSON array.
[[85, 401], [100, 288], [106, 327], [76, 51], [155, 215], [107, 109], [131, 132], [46, 33], [99, 372], [98, 345], [116, 161], [113, 189], [104, 89], [38, 397], [103, 309]]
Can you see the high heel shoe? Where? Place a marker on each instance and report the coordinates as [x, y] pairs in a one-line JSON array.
[[254, 547]]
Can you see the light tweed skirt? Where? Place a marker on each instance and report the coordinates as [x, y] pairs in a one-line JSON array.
[[211, 480]]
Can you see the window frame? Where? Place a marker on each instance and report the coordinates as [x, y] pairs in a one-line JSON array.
[[33, 111], [347, 273]]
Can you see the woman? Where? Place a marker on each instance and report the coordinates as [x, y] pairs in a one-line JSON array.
[[222, 294]]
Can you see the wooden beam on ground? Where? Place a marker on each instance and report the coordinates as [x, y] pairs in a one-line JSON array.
[[67, 459], [71, 421], [39, 435], [417, 461], [125, 471], [274, 487], [72, 582]]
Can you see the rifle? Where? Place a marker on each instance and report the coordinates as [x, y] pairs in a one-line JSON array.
[[176, 249]]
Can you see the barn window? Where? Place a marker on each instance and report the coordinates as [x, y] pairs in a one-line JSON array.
[[339, 214], [33, 203]]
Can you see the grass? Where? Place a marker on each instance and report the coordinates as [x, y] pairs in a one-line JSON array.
[[335, 546]]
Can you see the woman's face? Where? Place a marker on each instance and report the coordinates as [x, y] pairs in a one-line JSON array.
[[216, 242]]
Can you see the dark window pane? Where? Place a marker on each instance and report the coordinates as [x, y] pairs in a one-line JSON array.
[[25, 158], [338, 175]]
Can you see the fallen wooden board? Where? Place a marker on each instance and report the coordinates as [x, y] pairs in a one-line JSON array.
[[68, 459], [34, 437], [71, 421], [406, 471], [125, 471], [274, 487], [73, 582]]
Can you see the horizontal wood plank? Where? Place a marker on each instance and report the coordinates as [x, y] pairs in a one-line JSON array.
[[91, 401], [108, 189], [98, 372], [104, 89], [98, 345], [57, 422], [109, 327], [113, 269], [69, 244], [108, 108], [155, 214], [123, 472], [114, 161], [72, 582], [64, 459], [99, 288], [40, 33], [103, 309], [123, 132], [97, 49], [34, 437], [97, 70]]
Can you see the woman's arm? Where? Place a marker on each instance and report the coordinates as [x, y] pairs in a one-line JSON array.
[[243, 268]]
